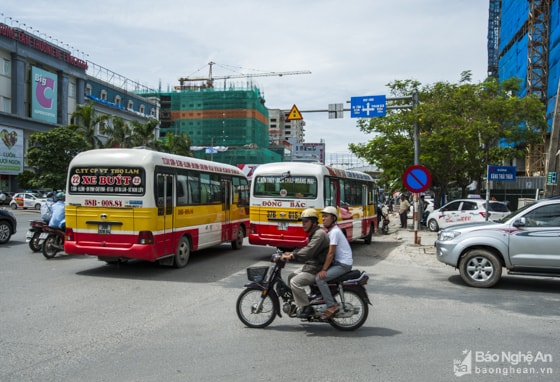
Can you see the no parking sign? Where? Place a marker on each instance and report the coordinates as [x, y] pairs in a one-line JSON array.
[[417, 178]]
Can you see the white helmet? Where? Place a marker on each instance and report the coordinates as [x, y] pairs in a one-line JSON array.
[[330, 210]]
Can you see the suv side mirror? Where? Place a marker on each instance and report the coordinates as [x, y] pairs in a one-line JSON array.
[[521, 222]]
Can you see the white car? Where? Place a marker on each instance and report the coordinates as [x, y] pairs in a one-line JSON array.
[[26, 200], [465, 211], [429, 207]]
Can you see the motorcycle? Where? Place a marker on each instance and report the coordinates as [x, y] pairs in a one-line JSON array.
[[259, 303], [52, 241], [33, 233]]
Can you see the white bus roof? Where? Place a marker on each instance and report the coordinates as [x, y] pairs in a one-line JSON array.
[[145, 157], [302, 168]]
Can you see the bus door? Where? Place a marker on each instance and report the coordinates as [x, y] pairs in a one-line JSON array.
[[226, 186], [165, 201], [332, 196], [364, 226]]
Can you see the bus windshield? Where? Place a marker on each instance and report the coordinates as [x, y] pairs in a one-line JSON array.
[[286, 187]]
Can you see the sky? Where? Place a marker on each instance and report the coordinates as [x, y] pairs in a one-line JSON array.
[[353, 48]]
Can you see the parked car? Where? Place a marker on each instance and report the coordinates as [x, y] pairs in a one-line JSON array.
[[429, 207], [465, 211], [26, 200], [6, 197], [525, 243], [8, 225]]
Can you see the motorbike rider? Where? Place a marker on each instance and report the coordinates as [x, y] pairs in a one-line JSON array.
[[313, 256], [338, 262], [58, 218]]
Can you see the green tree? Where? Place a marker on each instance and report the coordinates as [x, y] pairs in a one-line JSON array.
[[25, 179], [176, 144], [143, 134], [50, 154], [463, 128], [119, 133], [86, 119]]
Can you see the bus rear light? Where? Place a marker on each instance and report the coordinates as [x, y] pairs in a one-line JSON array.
[[145, 237], [252, 228], [69, 234]]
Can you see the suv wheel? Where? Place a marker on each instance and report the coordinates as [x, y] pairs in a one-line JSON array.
[[480, 268]]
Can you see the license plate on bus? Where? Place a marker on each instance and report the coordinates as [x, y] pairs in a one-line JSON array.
[[104, 229], [282, 226]]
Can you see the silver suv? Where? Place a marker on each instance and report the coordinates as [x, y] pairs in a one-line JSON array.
[[526, 242]]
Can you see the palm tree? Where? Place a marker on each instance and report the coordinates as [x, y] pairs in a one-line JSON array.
[[119, 133], [85, 121], [143, 134], [177, 144]]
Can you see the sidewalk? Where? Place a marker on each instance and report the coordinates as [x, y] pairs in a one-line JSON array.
[[423, 252]]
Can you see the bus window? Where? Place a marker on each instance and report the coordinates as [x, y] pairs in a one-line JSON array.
[[183, 193], [216, 189], [343, 197], [240, 191], [194, 185]]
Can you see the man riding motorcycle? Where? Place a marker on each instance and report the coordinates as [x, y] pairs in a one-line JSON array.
[[313, 254]]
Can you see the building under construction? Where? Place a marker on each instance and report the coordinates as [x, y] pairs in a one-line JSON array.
[[229, 125], [524, 42]]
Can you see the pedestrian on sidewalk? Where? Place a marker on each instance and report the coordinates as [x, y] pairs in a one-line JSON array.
[[403, 210]]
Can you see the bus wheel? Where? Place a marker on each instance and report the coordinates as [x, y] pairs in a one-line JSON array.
[[238, 242], [367, 239], [183, 253]]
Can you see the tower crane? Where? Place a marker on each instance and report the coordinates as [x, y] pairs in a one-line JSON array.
[[210, 79]]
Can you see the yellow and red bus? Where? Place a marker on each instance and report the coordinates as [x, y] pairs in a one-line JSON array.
[[280, 191], [126, 204]]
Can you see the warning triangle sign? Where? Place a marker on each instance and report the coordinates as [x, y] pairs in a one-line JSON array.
[[294, 114]]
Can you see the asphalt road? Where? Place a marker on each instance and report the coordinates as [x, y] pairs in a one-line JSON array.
[[75, 318]]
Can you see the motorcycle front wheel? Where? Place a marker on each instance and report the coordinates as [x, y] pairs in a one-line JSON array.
[[253, 311], [50, 248], [34, 242], [354, 313]]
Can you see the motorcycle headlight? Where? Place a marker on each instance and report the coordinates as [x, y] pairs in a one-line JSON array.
[[447, 235]]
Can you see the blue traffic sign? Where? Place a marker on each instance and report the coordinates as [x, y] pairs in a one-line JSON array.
[[417, 178], [501, 173], [368, 106]]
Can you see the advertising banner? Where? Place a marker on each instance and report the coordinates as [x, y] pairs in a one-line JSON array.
[[43, 95], [11, 151]]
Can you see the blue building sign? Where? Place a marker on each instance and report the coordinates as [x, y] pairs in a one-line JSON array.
[[501, 173], [368, 106]]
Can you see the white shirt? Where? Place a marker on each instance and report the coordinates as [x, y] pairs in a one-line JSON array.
[[343, 252]]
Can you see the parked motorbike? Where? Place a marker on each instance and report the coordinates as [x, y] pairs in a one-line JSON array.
[[51, 241], [33, 232], [259, 303]]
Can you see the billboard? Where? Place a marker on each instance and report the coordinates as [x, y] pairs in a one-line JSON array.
[[308, 152], [11, 151], [43, 95]]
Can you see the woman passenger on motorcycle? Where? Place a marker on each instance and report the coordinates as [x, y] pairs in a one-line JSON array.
[[58, 218], [338, 262], [313, 254]]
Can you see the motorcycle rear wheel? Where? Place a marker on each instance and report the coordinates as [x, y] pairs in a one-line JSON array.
[[50, 246], [34, 242], [247, 303], [355, 302]]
